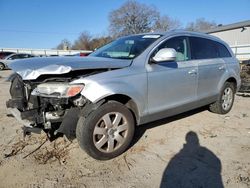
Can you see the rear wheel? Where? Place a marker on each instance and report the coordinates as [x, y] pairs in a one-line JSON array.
[[2, 66], [225, 101], [107, 131]]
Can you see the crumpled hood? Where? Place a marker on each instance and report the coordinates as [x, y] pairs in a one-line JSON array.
[[30, 69]]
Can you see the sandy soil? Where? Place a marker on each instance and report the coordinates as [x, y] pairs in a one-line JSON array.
[[197, 148]]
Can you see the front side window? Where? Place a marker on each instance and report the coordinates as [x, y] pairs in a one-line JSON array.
[[180, 45], [126, 47], [14, 57]]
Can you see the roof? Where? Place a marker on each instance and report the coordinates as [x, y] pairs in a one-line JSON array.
[[192, 33], [229, 27]]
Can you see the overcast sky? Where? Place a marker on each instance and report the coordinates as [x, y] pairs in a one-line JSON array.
[[44, 23]]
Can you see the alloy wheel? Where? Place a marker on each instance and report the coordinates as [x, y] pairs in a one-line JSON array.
[[227, 98], [110, 132]]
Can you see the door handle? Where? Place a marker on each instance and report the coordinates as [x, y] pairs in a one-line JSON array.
[[192, 72], [222, 67]]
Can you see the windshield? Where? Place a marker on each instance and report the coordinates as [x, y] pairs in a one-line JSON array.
[[126, 47]]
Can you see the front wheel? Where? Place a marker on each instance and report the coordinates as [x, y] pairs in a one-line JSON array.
[[107, 131], [225, 101], [2, 66]]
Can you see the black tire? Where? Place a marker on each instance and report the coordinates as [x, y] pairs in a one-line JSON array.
[[2, 66], [217, 106], [87, 138]]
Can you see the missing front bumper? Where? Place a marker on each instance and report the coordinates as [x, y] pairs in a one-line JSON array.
[[17, 114]]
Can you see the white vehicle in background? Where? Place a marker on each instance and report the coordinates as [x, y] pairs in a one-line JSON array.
[[10, 58]]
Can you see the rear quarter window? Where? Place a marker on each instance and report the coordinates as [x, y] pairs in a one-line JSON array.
[[223, 51], [202, 48]]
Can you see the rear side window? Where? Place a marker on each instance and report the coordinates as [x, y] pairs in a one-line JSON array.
[[202, 48], [21, 56]]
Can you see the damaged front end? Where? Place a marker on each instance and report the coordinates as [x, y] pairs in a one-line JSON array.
[[43, 96], [49, 103]]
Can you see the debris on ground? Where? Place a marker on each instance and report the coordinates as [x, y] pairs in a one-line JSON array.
[[243, 179], [207, 134], [126, 162], [16, 148], [56, 151], [244, 115], [36, 149]]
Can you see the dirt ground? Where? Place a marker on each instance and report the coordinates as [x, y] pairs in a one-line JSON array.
[[194, 149]]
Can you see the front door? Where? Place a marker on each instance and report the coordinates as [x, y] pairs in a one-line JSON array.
[[172, 84]]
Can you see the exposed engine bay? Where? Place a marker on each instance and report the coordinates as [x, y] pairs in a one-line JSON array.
[[49, 103]]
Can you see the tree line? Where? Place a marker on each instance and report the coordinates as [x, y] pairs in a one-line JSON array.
[[132, 18]]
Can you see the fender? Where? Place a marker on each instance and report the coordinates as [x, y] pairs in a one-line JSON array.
[[95, 92]]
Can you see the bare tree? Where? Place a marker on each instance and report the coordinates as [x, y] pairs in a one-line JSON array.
[[83, 42], [134, 17], [98, 42], [201, 25], [64, 45], [87, 42], [165, 23]]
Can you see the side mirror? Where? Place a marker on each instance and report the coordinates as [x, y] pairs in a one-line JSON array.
[[165, 54]]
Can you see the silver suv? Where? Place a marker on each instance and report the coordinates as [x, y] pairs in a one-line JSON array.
[[136, 79]]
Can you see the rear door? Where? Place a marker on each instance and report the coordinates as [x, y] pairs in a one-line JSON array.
[[210, 66]]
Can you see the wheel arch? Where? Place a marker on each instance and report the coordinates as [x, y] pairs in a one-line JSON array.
[[127, 101], [233, 81], [4, 66], [231, 78]]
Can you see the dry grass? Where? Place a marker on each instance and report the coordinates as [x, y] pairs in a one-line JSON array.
[[58, 150]]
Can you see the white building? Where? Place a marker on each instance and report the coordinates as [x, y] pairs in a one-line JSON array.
[[237, 35]]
